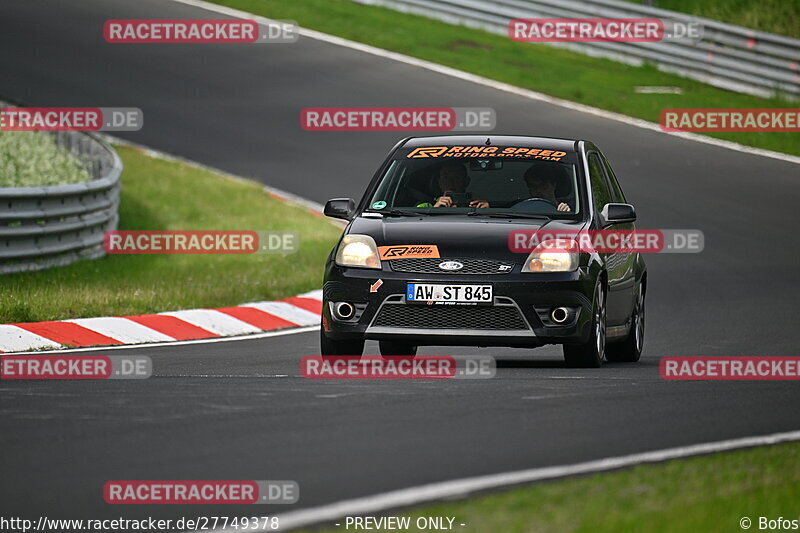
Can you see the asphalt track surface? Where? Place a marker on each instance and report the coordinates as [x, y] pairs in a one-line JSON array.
[[239, 410]]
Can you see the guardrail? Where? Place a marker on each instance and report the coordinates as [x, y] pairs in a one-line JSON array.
[[41, 227], [726, 56]]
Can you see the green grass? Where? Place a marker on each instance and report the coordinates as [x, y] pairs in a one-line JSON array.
[[32, 159], [162, 195], [592, 81], [773, 16], [704, 494]]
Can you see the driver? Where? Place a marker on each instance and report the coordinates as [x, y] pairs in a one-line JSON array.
[[453, 179], [542, 181]]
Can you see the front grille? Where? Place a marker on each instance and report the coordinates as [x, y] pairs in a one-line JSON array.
[[431, 266], [504, 317]]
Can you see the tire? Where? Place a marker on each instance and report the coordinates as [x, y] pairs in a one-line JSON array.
[[390, 348], [592, 353], [339, 347], [630, 349]]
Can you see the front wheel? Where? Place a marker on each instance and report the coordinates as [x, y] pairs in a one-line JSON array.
[[339, 347], [592, 353], [630, 350]]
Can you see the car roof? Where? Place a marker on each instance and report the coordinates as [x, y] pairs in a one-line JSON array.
[[548, 143]]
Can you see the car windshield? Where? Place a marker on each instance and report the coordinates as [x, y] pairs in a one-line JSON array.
[[480, 185]]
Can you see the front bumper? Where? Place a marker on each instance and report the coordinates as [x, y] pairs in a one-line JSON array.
[[519, 315]]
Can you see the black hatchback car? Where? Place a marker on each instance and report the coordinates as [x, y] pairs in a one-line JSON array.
[[426, 258]]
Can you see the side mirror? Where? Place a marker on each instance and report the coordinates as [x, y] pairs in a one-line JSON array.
[[340, 208], [617, 214]]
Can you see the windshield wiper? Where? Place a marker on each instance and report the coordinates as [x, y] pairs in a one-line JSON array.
[[432, 212], [508, 215], [398, 213]]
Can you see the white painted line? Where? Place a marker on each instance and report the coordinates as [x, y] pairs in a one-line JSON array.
[[287, 311], [14, 339], [214, 321], [526, 93], [121, 329], [555, 395], [262, 335], [460, 488], [232, 376]]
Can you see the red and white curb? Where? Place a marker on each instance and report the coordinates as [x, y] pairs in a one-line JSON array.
[[298, 311]]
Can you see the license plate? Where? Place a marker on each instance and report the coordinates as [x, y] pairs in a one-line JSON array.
[[455, 294]]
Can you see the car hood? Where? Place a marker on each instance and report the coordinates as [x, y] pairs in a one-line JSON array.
[[456, 236]]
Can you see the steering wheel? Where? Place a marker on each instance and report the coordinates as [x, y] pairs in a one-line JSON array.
[[536, 204]]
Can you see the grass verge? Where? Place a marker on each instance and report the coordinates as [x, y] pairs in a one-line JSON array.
[[708, 494], [773, 16], [163, 195], [597, 82]]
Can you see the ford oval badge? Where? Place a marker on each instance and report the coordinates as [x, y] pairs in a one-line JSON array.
[[451, 265]]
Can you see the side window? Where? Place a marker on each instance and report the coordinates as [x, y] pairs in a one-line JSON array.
[[616, 190], [600, 191]]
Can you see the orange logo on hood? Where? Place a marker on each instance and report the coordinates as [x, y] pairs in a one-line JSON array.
[[409, 251]]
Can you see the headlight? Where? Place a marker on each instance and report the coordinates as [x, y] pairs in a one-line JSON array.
[[553, 255], [358, 251]]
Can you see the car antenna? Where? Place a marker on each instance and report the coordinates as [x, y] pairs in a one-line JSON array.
[[488, 141]]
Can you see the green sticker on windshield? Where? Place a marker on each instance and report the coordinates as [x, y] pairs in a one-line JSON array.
[[379, 205]]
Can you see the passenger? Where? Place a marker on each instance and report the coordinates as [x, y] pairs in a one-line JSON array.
[[453, 179]]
